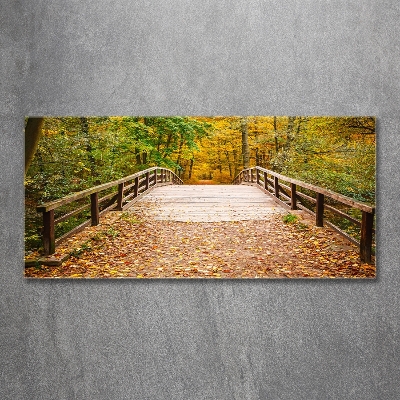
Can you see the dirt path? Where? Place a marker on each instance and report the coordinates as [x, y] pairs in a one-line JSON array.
[[137, 245]]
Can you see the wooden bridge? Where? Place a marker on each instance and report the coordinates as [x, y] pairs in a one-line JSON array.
[[256, 193]]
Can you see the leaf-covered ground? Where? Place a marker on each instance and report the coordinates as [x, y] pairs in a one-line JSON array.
[[137, 246]]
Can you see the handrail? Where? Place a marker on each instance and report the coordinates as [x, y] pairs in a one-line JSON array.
[[266, 179], [139, 183]]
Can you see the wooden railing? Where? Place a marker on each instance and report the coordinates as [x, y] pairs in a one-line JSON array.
[[127, 191], [285, 191]]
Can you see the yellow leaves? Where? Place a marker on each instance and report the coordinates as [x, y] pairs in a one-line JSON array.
[[246, 249]]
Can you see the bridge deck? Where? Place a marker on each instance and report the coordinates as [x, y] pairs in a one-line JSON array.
[[187, 231], [207, 203]]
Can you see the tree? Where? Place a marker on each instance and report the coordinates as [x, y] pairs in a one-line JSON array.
[[245, 142], [33, 132]]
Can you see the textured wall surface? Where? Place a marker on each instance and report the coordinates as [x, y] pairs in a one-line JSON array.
[[321, 339]]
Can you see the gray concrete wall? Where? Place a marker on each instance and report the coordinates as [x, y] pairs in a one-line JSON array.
[[327, 339]]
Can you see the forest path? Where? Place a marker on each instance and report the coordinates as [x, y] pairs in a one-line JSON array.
[[206, 231], [207, 203]]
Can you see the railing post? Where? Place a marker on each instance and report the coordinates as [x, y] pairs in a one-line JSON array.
[[94, 208], [120, 198], [265, 181], [293, 196], [136, 187], [49, 239], [155, 176], [161, 175], [319, 210], [366, 236], [147, 180], [257, 176], [251, 175], [276, 187]]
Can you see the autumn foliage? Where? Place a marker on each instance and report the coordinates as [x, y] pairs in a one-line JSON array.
[[75, 153]]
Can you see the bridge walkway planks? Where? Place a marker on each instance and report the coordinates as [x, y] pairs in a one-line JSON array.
[[207, 203]]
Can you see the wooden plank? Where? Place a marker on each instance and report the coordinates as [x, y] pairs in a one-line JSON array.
[[287, 198], [72, 232], [276, 187], [112, 197], [99, 188], [343, 214], [79, 195], [136, 187], [49, 244], [319, 217], [293, 197], [334, 227], [120, 198], [265, 181], [130, 186], [94, 208], [130, 196], [72, 213], [208, 203], [342, 233], [343, 199], [366, 236], [309, 198], [281, 190], [140, 195], [271, 183]]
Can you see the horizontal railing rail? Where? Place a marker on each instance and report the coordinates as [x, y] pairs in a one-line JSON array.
[[289, 196], [126, 192]]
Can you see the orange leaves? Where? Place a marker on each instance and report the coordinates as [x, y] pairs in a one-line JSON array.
[[245, 249]]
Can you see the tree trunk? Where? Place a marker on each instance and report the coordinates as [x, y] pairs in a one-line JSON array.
[[276, 137], [245, 142], [89, 149], [236, 162], [137, 155], [289, 131], [229, 163], [178, 159], [167, 144], [191, 167], [33, 132]]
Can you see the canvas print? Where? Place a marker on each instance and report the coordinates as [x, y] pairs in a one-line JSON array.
[[222, 197]]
